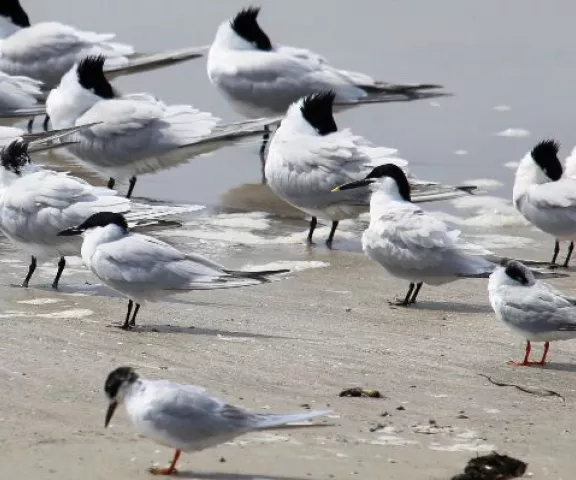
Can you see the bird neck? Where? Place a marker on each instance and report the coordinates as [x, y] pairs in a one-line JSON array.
[[382, 200], [99, 236], [527, 174]]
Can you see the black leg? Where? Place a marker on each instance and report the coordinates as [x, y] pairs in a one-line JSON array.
[[31, 269], [111, 183], [131, 187], [265, 139], [570, 249], [61, 265], [313, 224], [556, 252], [126, 324], [30, 125], [46, 122], [416, 292], [406, 301], [133, 321], [331, 236]]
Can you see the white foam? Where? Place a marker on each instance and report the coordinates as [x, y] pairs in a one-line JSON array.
[[484, 183], [67, 314], [293, 266], [245, 221], [514, 132], [488, 211], [461, 152], [40, 301], [392, 440], [512, 165], [501, 108], [502, 241], [435, 104]]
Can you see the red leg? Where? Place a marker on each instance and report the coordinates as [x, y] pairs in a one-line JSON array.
[[171, 470], [526, 361], [546, 348]]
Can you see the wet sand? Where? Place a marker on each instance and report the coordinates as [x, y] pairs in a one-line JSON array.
[[294, 342]]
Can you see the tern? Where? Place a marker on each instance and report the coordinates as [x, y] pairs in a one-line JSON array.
[[186, 417]]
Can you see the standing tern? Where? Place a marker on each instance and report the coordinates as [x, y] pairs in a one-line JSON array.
[[143, 268], [535, 310], [260, 78], [545, 197], [411, 244], [47, 50], [136, 133], [36, 204], [308, 156], [186, 417]]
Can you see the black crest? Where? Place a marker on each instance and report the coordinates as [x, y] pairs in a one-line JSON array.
[[102, 219], [14, 11], [516, 271], [90, 72], [395, 172], [545, 154], [245, 24], [317, 110], [14, 156], [117, 378]]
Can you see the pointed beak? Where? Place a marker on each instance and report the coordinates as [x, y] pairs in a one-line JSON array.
[[110, 412], [351, 185], [70, 232]]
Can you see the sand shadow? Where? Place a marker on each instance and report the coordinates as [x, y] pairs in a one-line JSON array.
[[448, 307], [234, 476], [193, 330], [559, 366]]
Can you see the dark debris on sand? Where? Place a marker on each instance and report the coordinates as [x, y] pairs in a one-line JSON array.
[[492, 467]]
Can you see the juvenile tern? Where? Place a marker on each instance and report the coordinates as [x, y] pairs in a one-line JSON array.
[[309, 156], [530, 308], [143, 268], [260, 78], [546, 197], [186, 417], [411, 244], [47, 50], [136, 133], [36, 204]]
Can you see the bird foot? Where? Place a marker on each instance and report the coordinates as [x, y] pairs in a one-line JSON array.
[[55, 286], [163, 471], [398, 303], [125, 326], [525, 364]]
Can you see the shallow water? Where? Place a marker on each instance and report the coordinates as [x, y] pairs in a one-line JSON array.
[[509, 64]]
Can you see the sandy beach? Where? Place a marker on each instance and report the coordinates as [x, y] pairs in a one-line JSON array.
[[291, 344]]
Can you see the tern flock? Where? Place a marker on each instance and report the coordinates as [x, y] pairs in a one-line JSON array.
[[289, 96]]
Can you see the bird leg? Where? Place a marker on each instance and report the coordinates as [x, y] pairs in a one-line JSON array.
[[133, 321], [406, 301], [61, 265], [331, 236], [313, 224], [546, 348], [46, 122], [126, 325], [131, 187], [265, 138], [556, 252], [526, 362], [416, 292], [111, 183], [30, 125], [570, 249], [31, 269], [171, 470]]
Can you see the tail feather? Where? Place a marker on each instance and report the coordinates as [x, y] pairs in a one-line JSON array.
[[23, 112], [258, 274], [267, 421], [435, 193], [145, 62]]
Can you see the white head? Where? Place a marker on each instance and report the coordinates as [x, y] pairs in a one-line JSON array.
[[311, 115], [15, 162], [80, 88], [512, 273], [242, 32], [12, 18], [540, 165], [117, 384], [389, 180]]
